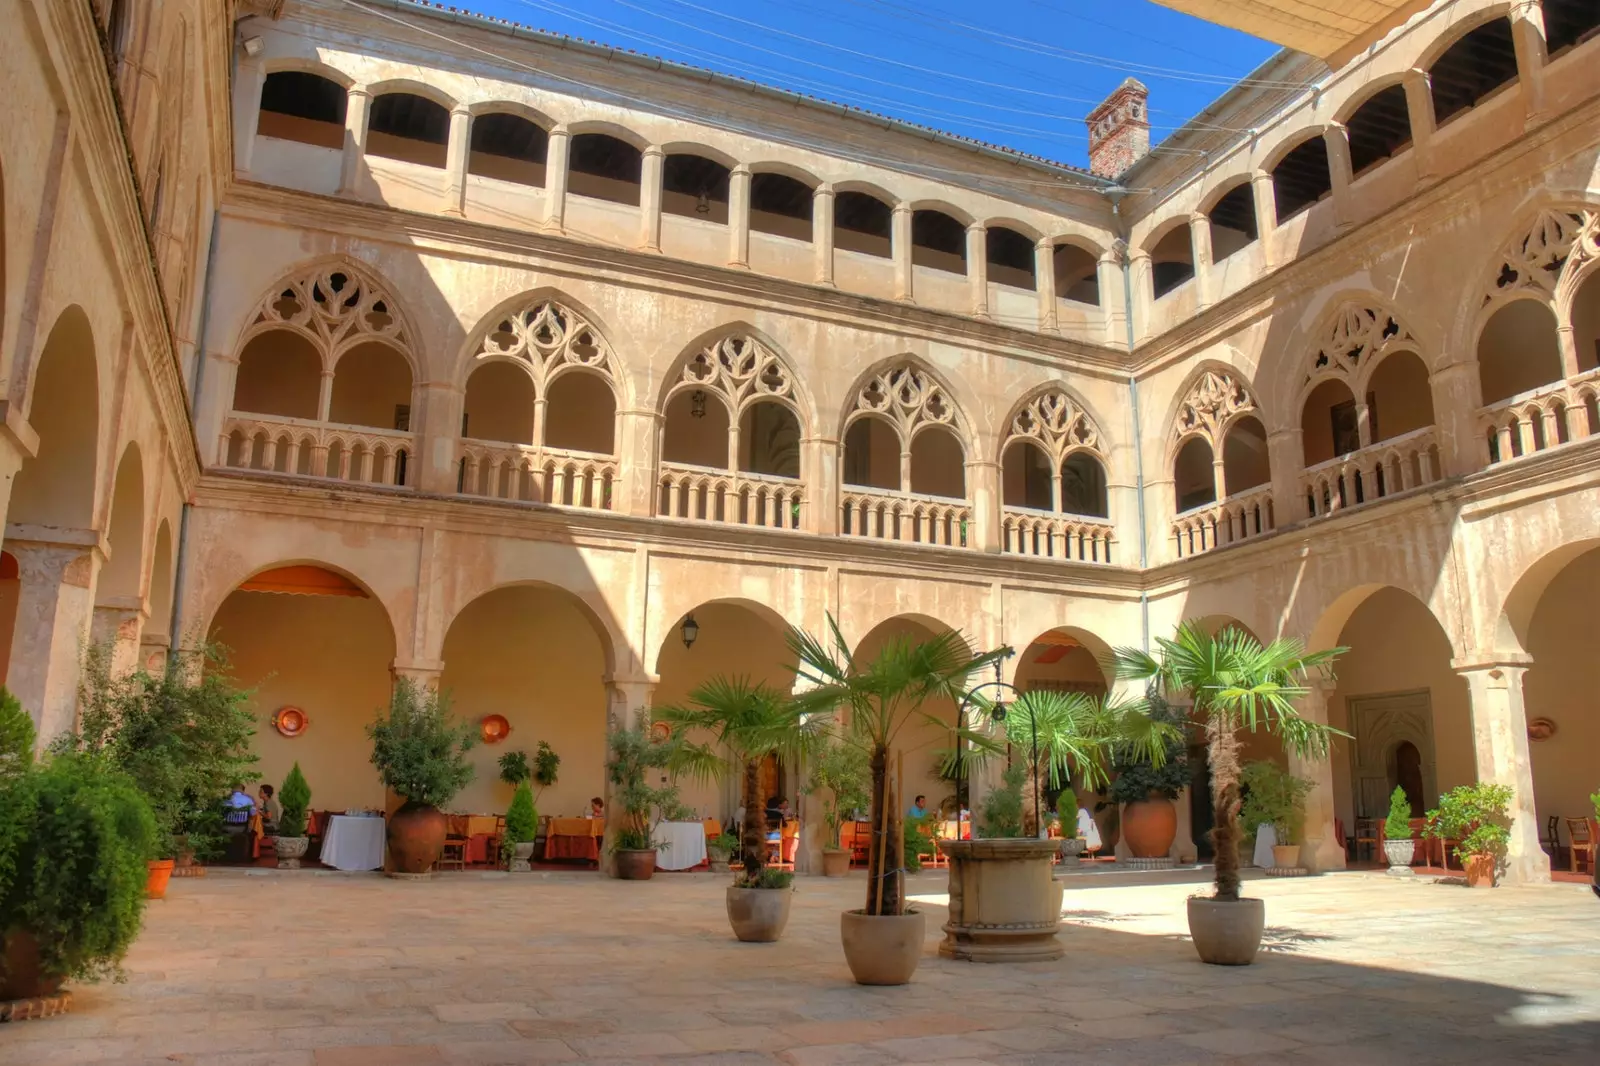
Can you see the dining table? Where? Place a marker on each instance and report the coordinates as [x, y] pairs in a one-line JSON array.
[[680, 845], [480, 833], [574, 838], [353, 842]]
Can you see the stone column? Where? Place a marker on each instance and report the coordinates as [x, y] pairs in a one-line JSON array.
[[1044, 283], [1266, 214], [1200, 247], [424, 673], [1363, 423], [436, 426], [119, 623], [1219, 477], [739, 217], [1457, 397], [249, 76], [1143, 284], [355, 140], [1321, 849], [900, 248], [819, 467], [1500, 736], [1113, 299], [638, 438], [650, 193], [1567, 341], [983, 489], [555, 178], [458, 147], [1419, 108], [627, 705], [325, 394], [1528, 37], [154, 647], [978, 268], [55, 602], [1286, 460], [822, 232], [1336, 139]]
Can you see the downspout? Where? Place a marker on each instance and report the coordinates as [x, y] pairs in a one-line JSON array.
[[1126, 263]]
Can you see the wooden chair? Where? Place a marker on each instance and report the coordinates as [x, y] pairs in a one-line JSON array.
[[1582, 843], [455, 843], [857, 836], [933, 858], [1551, 841], [780, 852], [1369, 831]]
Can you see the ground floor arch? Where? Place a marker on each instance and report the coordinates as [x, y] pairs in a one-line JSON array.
[[927, 738]]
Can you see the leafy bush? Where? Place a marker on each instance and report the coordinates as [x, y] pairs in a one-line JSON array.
[[546, 765], [1067, 813], [918, 840], [1275, 797], [16, 735], [1397, 826], [522, 818], [75, 835], [840, 770], [294, 796], [1594, 799], [514, 768], [633, 756], [721, 847], [420, 753], [769, 877], [1136, 777], [1475, 815], [1000, 816]]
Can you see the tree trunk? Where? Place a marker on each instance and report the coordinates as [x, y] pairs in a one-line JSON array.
[[753, 837], [1030, 824], [883, 864], [1223, 744]]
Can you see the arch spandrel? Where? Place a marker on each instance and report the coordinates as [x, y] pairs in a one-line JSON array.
[[547, 336], [910, 398], [335, 304], [1215, 398], [741, 367]]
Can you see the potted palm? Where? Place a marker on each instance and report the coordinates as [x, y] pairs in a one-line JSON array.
[[522, 830], [633, 756], [421, 756], [1146, 786], [744, 723], [883, 940], [1476, 816], [291, 841], [1275, 797], [1398, 847], [1236, 684], [839, 771]]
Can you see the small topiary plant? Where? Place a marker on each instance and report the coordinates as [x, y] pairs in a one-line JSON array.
[[1398, 825], [522, 821], [1067, 813], [295, 798]]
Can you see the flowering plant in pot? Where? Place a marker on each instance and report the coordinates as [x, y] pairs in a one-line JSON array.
[[1477, 817], [1237, 684], [1146, 781], [1398, 847], [838, 771], [420, 753], [634, 755], [291, 841], [1275, 797]]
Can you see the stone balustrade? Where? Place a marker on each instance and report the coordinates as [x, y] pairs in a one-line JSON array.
[[705, 494], [1213, 525], [1080, 538], [1541, 419], [530, 474], [317, 449], [1387, 468], [910, 518]]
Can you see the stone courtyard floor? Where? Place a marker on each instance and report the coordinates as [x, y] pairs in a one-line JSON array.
[[302, 969]]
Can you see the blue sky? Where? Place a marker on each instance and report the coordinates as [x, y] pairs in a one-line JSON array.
[[1020, 73]]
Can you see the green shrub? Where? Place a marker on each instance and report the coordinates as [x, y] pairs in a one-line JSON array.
[[16, 735], [1477, 816], [841, 771], [1397, 826], [769, 877], [419, 751], [918, 840], [1067, 813], [1136, 777], [1000, 816], [522, 820], [1594, 799], [1275, 797], [546, 766], [514, 768], [75, 835], [294, 797]]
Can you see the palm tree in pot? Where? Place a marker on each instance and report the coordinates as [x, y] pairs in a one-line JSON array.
[[882, 697], [745, 723], [420, 753], [1236, 685]]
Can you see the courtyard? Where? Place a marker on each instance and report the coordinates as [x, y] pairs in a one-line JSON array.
[[269, 969]]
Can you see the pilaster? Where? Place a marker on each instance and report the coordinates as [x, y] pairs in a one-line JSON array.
[[1500, 741], [739, 217], [57, 571], [457, 148], [248, 78], [1321, 849], [1457, 396], [1044, 283], [983, 488], [1266, 215], [819, 468], [627, 705], [1286, 461], [436, 421], [556, 156], [1528, 37], [120, 625], [1336, 139], [1419, 108], [1200, 246], [900, 248], [638, 437]]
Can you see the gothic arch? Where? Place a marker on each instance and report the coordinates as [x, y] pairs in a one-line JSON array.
[[1349, 343], [741, 366], [547, 334], [307, 65], [335, 304], [1214, 398], [1056, 420], [909, 396]]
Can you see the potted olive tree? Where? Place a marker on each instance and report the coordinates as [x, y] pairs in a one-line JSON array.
[[1275, 797], [1476, 817], [291, 841], [634, 755], [1398, 847], [1236, 685], [421, 756], [839, 771], [883, 940]]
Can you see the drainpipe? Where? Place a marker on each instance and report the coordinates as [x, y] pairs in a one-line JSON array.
[[1125, 262]]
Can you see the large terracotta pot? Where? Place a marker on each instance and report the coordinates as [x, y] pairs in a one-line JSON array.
[[882, 950], [1150, 826], [160, 872], [758, 915], [635, 865], [21, 978], [835, 863], [1286, 856], [416, 835], [1227, 933], [1480, 871]]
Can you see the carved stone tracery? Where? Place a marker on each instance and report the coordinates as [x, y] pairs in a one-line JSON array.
[[1556, 242], [741, 370], [1358, 337], [1213, 400], [1055, 422], [336, 305], [549, 337], [908, 397]]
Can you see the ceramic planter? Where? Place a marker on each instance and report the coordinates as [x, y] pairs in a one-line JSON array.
[[1150, 826], [1005, 903], [835, 862], [160, 872], [1072, 847], [416, 835], [1480, 871], [884, 949], [1399, 853], [290, 850], [521, 852], [20, 974], [1286, 856], [1227, 933], [758, 915], [635, 865]]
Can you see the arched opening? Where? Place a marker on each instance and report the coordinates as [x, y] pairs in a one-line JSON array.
[[938, 464], [1077, 275], [307, 637], [1068, 659], [780, 205], [125, 535], [1025, 476], [696, 430], [581, 414], [300, 106], [604, 168], [410, 128], [1408, 776], [1481, 63], [1083, 486], [1518, 351], [371, 387], [769, 440], [1586, 322], [159, 622], [57, 486], [1302, 177], [1569, 23], [863, 223], [1378, 129], [1399, 398], [1328, 426], [280, 373], [938, 241], [1194, 481], [499, 404], [695, 187], [1244, 456], [872, 454], [1172, 260], [1010, 257], [509, 148], [1233, 221], [926, 738], [557, 696]]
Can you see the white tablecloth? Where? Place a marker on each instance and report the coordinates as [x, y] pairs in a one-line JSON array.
[[353, 843], [686, 845]]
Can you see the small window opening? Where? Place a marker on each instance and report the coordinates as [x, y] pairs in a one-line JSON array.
[[409, 128], [1172, 260], [1010, 258], [695, 187], [1302, 178], [1233, 221], [1379, 129], [1077, 275], [938, 241], [508, 147], [1569, 23], [1478, 65], [780, 205], [863, 223], [297, 106], [605, 168]]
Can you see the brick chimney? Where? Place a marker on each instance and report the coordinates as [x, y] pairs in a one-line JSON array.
[[1119, 130]]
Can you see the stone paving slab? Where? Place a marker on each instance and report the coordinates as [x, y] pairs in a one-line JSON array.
[[236, 970]]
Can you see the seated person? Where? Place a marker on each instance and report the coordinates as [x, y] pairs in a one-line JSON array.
[[918, 808], [270, 810], [777, 812], [597, 809], [239, 808]]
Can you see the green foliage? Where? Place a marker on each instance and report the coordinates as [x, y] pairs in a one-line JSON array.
[[514, 769], [184, 738], [1397, 826], [720, 847], [919, 838], [75, 834], [633, 756], [1067, 813], [1140, 771], [1476, 816], [16, 735], [522, 820], [1274, 797], [839, 770], [1594, 800], [419, 752], [294, 797], [767, 877], [546, 765], [1000, 815]]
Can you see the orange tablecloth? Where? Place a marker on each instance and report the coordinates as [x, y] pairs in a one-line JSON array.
[[480, 831], [574, 838]]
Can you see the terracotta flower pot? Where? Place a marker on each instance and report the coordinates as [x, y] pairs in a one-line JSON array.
[[160, 872], [1480, 871], [21, 976], [1286, 856], [835, 862], [1227, 933], [1150, 826], [882, 950], [758, 915], [416, 835], [290, 850], [635, 865]]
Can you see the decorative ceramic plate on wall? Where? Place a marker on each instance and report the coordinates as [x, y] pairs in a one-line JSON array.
[[660, 731], [494, 728], [1541, 729], [290, 721]]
